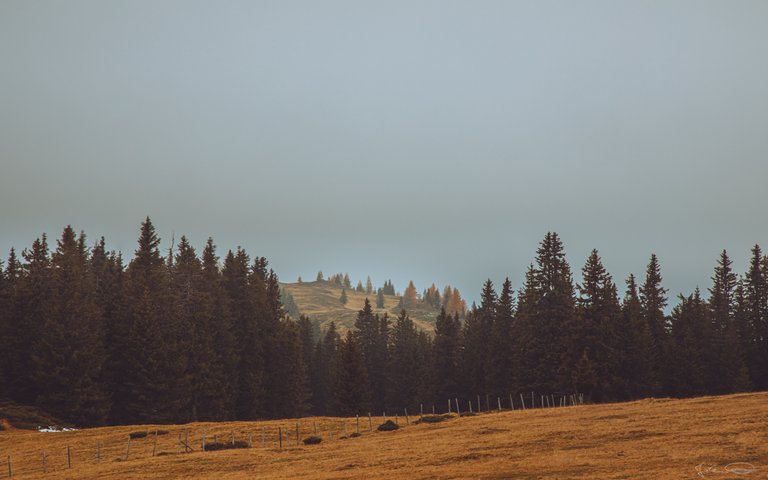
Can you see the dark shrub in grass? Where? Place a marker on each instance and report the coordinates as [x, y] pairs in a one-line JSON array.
[[388, 426], [135, 435], [434, 418], [313, 440], [225, 445]]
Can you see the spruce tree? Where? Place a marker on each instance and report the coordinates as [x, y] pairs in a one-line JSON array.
[[33, 307], [368, 286], [447, 356], [246, 296], [594, 335], [343, 298], [477, 335], [69, 354], [546, 312], [380, 299], [652, 301], [372, 336], [636, 341], [405, 369], [352, 394], [725, 347], [687, 365], [500, 344], [756, 299]]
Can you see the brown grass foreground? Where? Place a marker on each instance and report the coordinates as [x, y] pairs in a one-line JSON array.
[[653, 439]]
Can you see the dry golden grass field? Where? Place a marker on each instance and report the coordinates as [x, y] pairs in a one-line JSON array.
[[709, 437], [321, 301]]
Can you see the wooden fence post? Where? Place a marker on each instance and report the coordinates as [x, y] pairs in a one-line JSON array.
[[233, 438], [470, 406], [250, 440], [407, 420], [203, 441], [45, 467], [263, 436], [280, 436], [98, 451], [186, 441], [522, 400], [498, 400], [433, 409], [128, 448], [297, 433], [511, 403], [458, 410], [478, 404], [69, 456], [449, 405], [357, 422], [421, 410], [370, 422], [314, 425], [10, 468]]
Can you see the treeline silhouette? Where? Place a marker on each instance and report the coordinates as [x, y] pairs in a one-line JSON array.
[[186, 337]]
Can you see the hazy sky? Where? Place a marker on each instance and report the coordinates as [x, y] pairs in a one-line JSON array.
[[431, 140]]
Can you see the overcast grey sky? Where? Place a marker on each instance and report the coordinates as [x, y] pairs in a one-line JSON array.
[[432, 140]]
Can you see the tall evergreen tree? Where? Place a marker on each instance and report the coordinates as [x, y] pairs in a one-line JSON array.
[[69, 354], [726, 349], [372, 335], [756, 298], [33, 305], [652, 302], [500, 344], [637, 344], [477, 335], [546, 310], [352, 393], [380, 299], [447, 356], [155, 387], [593, 339], [405, 370]]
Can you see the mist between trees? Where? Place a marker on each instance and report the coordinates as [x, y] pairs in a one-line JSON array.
[[187, 337]]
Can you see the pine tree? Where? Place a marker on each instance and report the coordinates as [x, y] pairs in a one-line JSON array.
[[500, 344], [33, 307], [352, 394], [245, 295], [477, 335], [347, 281], [326, 359], [405, 370], [155, 386], [359, 287], [652, 301], [546, 310], [380, 299], [343, 298], [593, 335], [69, 355], [368, 286], [756, 299], [320, 276], [636, 341], [447, 356], [222, 405], [688, 332], [372, 336], [726, 350]]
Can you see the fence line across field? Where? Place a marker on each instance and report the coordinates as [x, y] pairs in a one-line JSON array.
[[181, 440]]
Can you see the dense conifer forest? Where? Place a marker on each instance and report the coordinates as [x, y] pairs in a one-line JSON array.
[[191, 337]]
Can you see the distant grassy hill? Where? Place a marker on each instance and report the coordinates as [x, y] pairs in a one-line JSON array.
[[320, 301]]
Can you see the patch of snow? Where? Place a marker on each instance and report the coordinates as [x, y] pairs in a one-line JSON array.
[[55, 429]]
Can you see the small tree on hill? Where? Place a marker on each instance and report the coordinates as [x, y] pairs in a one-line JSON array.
[[343, 298], [320, 277], [380, 299]]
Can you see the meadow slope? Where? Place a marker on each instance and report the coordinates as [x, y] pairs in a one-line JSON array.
[[320, 301], [647, 439]]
